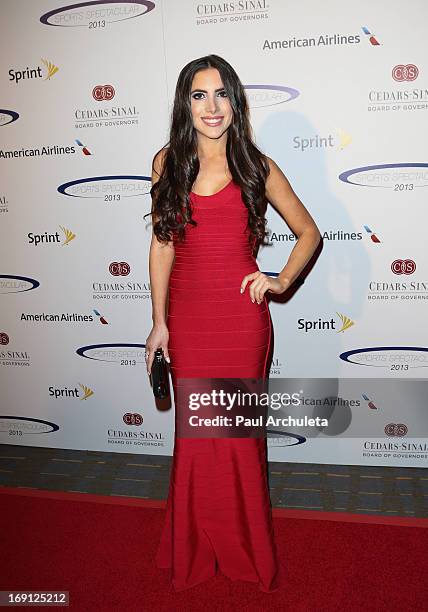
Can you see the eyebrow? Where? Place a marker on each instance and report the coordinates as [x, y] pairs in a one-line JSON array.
[[205, 91]]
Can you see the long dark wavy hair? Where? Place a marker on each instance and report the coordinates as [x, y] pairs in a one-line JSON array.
[[248, 166]]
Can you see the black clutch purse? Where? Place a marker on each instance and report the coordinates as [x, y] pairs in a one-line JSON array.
[[159, 375]]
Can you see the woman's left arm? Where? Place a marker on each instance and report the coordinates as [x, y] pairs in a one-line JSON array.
[[281, 195]]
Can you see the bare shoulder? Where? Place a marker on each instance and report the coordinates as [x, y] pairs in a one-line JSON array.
[[281, 195], [158, 163], [276, 180]]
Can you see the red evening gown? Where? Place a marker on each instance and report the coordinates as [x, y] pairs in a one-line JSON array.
[[218, 513]]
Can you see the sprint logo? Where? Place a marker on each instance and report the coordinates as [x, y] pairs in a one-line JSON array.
[[344, 139], [27, 74], [55, 238], [341, 140], [83, 394], [346, 322], [325, 324], [69, 235], [51, 69]]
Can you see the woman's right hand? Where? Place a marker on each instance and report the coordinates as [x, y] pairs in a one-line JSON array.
[[158, 338]]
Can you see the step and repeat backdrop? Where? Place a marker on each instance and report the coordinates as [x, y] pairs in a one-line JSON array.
[[338, 99]]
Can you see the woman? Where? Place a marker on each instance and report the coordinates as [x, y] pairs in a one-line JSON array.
[[211, 185]]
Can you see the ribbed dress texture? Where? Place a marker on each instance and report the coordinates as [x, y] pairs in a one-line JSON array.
[[218, 513]]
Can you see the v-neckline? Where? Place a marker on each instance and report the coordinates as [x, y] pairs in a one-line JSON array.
[[199, 195]]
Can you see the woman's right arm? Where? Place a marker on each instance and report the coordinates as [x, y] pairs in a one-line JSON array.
[[161, 259]]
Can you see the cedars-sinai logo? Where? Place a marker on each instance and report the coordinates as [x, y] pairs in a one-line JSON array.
[[212, 13], [122, 287], [103, 92], [12, 356], [104, 115], [259, 96], [398, 430], [7, 116], [405, 72], [403, 266], [97, 13], [119, 268]]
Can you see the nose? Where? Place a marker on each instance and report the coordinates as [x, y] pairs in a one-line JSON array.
[[211, 103]]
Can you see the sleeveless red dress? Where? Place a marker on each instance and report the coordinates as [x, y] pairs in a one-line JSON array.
[[218, 513]]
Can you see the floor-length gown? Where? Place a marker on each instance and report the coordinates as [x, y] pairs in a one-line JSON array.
[[218, 513]]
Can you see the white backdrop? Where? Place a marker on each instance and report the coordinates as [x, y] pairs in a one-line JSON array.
[[338, 99]]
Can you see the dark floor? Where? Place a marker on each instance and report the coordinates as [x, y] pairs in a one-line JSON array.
[[345, 488]]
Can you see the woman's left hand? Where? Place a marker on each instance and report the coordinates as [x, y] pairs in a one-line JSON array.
[[262, 283]]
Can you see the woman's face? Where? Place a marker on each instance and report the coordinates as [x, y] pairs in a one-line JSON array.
[[211, 110]]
